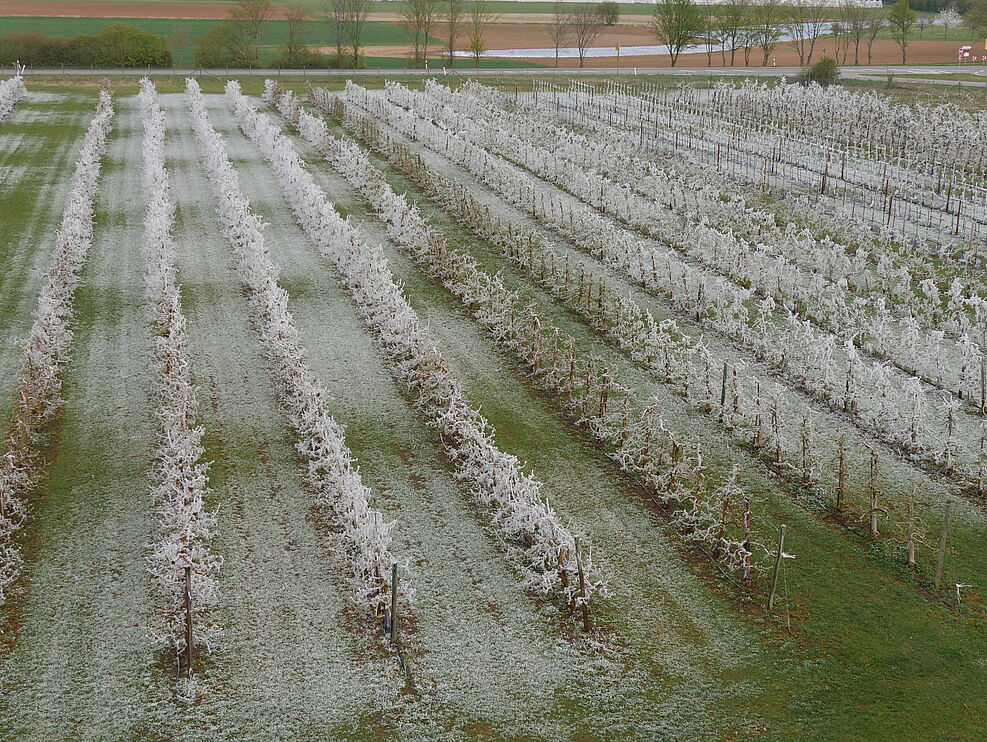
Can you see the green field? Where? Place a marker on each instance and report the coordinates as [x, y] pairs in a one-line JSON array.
[[274, 34]]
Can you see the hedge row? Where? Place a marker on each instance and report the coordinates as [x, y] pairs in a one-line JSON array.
[[117, 45]]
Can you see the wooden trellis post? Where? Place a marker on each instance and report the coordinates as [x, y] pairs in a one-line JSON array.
[[189, 636], [584, 601], [941, 551], [841, 474], [774, 575], [394, 603]]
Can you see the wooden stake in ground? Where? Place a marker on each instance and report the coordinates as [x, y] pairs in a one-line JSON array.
[[941, 551], [912, 537], [872, 488], [394, 603], [723, 387], [841, 474], [774, 575], [189, 645], [583, 600]]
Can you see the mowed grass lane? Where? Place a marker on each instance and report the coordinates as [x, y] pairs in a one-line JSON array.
[[81, 663], [39, 143]]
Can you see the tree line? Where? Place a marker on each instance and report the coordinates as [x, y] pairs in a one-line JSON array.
[[735, 30], [751, 29]]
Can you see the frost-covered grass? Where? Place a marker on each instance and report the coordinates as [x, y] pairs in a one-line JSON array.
[[477, 615], [79, 660], [35, 166]]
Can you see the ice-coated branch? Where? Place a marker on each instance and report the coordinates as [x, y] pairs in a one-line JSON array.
[[11, 91], [179, 478]]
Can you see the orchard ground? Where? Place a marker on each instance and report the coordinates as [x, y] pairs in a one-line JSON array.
[[683, 655]]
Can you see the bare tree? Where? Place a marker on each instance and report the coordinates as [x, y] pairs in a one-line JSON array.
[[855, 25], [676, 23], [837, 30], [478, 21], [767, 30], [453, 19], [711, 37], [356, 23], [420, 15], [733, 20], [748, 35], [251, 15], [876, 22], [561, 26], [293, 48], [335, 14], [586, 26], [806, 24]]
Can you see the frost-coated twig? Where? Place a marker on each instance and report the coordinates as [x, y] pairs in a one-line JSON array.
[[545, 548], [47, 346], [179, 478], [11, 91], [364, 535]]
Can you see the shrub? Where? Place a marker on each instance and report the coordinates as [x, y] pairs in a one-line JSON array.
[[120, 45], [609, 12], [307, 59], [117, 45], [225, 45], [825, 72], [34, 48]]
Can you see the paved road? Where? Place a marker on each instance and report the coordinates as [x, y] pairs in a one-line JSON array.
[[858, 73]]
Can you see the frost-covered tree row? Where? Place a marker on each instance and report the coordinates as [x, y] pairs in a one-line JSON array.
[[865, 267], [899, 409], [749, 410], [11, 91], [823, 213], [869, 324], [953, 212], [942, 133], [905, 165], [779, 426], [545, 549], [643, 446], [179, 478], [364, 537], [48, 344]]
